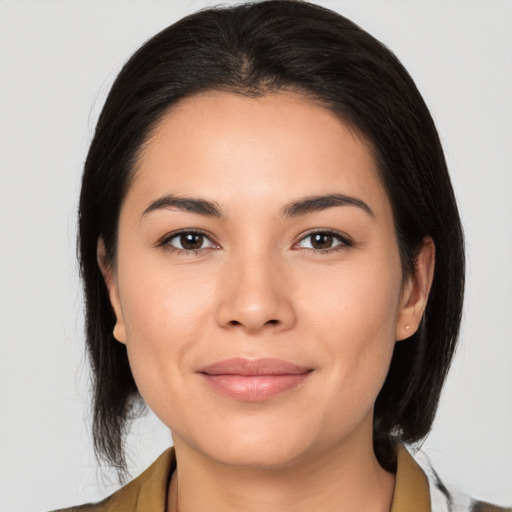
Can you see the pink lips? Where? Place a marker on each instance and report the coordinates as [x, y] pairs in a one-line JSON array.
[[253, 380]]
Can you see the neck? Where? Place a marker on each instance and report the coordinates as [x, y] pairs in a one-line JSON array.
[[342, 479]]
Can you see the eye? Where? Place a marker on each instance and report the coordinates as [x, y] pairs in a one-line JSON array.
[[188, 241], [324, 241]]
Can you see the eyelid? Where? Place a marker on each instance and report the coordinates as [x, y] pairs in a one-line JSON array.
[[164, 241], [345, 240]]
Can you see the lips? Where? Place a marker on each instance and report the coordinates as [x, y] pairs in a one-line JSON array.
[[253, 380]]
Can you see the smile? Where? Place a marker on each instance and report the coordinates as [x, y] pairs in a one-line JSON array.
[[253, 380]]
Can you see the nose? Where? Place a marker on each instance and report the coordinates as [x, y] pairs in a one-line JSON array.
[[254, 295]]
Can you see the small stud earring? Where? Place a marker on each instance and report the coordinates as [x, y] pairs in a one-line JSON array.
[[407, 327]]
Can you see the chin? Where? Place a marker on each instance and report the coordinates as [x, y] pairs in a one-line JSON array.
[[253, 444], [256, 455]]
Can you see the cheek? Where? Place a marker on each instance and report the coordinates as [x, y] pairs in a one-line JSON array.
[[354, 321], [165, 313], [159, 298], [361, 296]]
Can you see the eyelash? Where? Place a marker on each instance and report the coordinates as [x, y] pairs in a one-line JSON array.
[[165, 242], [344, 241]]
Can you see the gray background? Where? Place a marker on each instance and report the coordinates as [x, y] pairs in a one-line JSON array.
[[57, 61]]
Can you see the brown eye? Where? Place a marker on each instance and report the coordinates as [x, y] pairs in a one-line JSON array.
[[325, 241], [188, 241], [321, 241], [191, 241]]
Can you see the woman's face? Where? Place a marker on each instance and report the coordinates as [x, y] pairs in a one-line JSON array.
[[258, 285]]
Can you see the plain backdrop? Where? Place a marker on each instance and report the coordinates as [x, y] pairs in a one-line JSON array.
[[57, 61]]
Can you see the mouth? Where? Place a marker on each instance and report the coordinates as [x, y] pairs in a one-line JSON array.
[[253, 380]]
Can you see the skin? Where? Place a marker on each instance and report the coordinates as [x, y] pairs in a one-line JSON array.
[[258, 287]]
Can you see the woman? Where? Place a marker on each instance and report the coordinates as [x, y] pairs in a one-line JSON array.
[[273, 260]]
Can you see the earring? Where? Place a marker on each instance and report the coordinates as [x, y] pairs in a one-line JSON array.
[[407, 327]]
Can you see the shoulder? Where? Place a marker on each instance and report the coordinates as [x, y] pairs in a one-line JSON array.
[[444, 499], [100, 506], [480, 506], [146, 492]]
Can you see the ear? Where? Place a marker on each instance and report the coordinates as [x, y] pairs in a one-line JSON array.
[[415, 291], [113, 290]]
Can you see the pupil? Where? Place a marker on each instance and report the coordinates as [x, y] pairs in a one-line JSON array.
[[322, 241], [191, 241]]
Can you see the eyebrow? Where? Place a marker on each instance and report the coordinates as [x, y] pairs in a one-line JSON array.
[[318, 203], [187, 204], [294, 209]]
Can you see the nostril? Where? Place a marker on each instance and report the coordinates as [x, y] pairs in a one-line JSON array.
[[272, 322]]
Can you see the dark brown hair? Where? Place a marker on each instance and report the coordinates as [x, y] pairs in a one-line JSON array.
[[255, 49]]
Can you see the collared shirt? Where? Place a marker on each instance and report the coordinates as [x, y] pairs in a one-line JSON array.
[[416, 490]]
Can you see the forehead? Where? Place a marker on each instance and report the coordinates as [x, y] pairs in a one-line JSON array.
[[255, 150]]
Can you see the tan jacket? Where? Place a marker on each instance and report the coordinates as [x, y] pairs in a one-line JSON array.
[[415, 491]]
